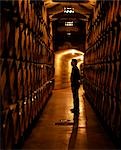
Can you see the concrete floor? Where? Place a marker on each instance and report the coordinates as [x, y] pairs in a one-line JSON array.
[[59, 129]]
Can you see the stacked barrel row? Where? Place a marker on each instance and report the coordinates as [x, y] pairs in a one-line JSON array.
[[26, 68], [105, 13], [102, 64]]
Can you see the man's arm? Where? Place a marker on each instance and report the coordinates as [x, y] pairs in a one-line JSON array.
[[78, 76]]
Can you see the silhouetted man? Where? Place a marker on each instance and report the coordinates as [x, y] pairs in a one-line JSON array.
[[75, 84]]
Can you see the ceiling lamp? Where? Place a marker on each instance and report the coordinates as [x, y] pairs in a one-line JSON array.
[[68, 10], [68, 33], [69, 23]]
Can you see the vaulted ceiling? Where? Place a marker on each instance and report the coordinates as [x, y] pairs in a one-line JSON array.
[[75, 35], [83, 7]]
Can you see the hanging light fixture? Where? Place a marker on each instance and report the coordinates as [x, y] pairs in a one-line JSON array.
[[69, 23], [68, 10]]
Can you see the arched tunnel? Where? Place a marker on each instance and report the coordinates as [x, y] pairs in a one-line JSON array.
[[63, 66], [60, 74]]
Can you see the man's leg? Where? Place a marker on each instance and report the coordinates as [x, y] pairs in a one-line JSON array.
[[74, 95], [75, 99]]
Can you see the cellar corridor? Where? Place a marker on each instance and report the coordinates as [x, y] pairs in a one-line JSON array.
[[59, 129], [38, 40]]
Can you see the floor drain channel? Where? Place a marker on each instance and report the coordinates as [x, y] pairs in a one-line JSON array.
[[64, 122]]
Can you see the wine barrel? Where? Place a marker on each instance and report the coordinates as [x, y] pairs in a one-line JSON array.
[[39, 100], [36, 102], [113, 52], [32, 77], [21, 117], [33, 50], [115, 77], [27, 45], [20, 5], [112, 11], [109, 13], [30, 46], [5, 31], [40, 75], [11, 40], [13, 80], [30, 14], [117, 8], [7, 34], [117, 119], [113, 113], [18, 41], [102, 50], [108, 77], [20, 80], [38, 52], [108, 107], [21, 9], [29, 111], [15, 118], [23, 44], [43, 96], [17, 48], [106, 47], [37, 76], [24, 68], [7, 129], [4, 84], [25, 9], [32, 115], [29, 79], [118, 81], [118, 43], [117, 129], [26, 113], [34, 22]]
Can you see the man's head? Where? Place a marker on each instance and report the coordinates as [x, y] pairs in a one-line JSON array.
[[74, 62]]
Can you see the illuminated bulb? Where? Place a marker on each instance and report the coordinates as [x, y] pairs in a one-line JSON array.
[[42, 66], [24, 103], [69, 23], [68, 10], [11, 108], [68, 33], [4, 125], [19, 113]]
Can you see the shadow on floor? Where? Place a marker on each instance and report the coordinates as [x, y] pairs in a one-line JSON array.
[[72, 140]]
